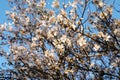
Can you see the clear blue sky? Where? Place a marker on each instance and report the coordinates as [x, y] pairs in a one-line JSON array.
[[3, 7]]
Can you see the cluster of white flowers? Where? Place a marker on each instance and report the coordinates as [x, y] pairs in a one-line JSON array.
[[58, 39], [81, 41], [98, 3], [117, 32], [55, 4], [3, 26], [49, 53], [104, 36]]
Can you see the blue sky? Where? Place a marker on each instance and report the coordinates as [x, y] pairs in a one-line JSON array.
[[3, 7]]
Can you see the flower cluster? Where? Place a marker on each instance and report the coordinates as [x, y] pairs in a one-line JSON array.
[[66, 40]]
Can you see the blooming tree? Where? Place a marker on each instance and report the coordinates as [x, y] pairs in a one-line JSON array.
[[62, 39]]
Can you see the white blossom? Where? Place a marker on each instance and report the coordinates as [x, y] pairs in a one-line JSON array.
[[81, 41], [96, 47], [55, 4], [63, 38]]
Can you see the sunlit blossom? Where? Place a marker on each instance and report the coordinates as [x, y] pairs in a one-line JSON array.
[[68, 42], [60, 47], [100, 34], [117, 32], [55, 4], [2, 27], [63, 38], [42, 3], [73, 26], [68, 71], [98, 3], [59, 17], [107, 37], [52, 19], [92, 65], [63, 12], [96, 47], [103, 15], [12, 15], [81, 41]]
